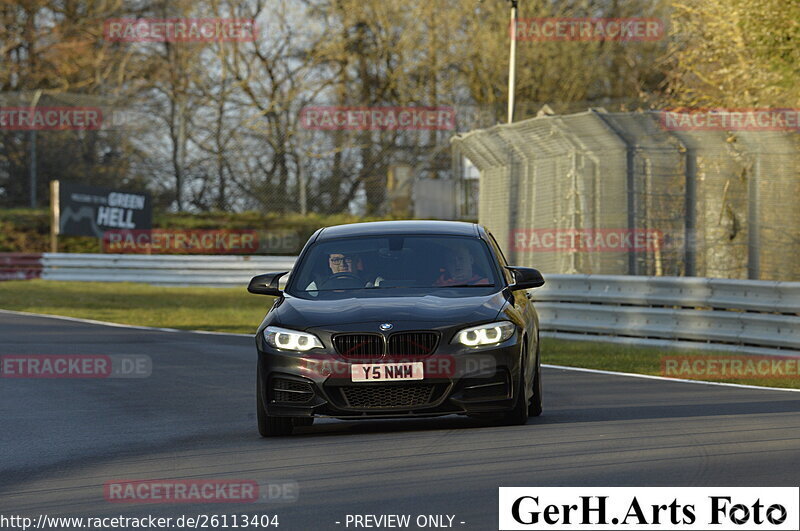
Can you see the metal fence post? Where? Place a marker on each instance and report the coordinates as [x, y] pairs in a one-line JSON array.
[[753, 228], [630, 175], [690, 224]]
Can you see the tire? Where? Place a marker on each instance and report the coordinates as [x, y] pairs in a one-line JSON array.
[[535, 407], [519, 415], [269, 426]]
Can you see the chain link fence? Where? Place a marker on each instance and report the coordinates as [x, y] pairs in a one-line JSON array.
[[625, 193]]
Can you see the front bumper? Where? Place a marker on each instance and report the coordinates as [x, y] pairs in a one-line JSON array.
[[457, 380]]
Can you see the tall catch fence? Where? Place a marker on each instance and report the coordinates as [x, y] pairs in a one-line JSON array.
[[625, 193]]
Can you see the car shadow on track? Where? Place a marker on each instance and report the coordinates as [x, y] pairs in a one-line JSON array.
[[334, 427], [599, 413], [557, 416]]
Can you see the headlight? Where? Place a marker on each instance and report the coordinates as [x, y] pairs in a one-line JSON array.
[[488, 334], [290, 339]]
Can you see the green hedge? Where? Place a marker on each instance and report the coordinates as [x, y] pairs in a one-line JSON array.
[[28, 230]]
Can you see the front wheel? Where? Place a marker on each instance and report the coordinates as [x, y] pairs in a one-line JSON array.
[[535, 407], [519, 415], [269, 426]]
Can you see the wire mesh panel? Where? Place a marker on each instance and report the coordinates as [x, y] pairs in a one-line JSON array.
[[657, 165], [774, 178], [721, 203], [596, 183], [494, 160], [623, 193]]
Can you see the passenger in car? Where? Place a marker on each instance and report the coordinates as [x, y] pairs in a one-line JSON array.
[[458, 270]]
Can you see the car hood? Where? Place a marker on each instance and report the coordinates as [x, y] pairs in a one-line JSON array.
[[434, 308]]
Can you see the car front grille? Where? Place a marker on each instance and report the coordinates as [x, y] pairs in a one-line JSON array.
[[359, 346], [367, 346], [387, 396], [412, 343], [291, 391]]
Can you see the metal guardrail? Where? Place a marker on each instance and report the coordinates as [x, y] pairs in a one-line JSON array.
[[20, 266], [163, 270], [721, 314], [741, 315]]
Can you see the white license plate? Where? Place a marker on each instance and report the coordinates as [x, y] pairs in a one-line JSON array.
[[381, 372]]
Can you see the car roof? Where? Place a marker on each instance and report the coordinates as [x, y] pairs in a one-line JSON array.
[[381, 228]]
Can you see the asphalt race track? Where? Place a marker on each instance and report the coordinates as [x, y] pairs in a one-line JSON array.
[[61, 440]]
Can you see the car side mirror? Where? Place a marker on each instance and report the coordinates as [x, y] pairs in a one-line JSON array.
[[526, 278], [266, 284]]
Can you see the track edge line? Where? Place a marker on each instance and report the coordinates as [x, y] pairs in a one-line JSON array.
[[122, 325], [666, 379]]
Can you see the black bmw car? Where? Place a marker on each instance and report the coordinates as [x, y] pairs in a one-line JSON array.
[[398, 319]]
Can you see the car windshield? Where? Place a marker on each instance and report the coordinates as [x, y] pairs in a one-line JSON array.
[[381, 263]]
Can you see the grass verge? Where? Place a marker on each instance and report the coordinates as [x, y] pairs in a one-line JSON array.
[[213, 309], [235, 310], [649, 360]]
